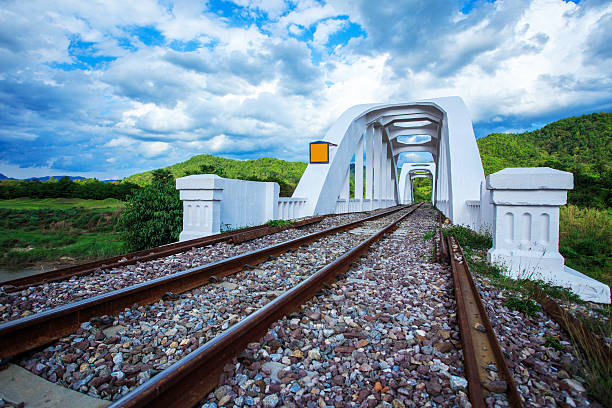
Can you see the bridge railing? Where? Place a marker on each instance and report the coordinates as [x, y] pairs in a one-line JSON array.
[[344, 205], [289, 208], [474, 214]]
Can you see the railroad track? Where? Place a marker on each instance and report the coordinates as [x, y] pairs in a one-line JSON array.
[[485, 365], [27, 333], [188, 381], [235, 237]]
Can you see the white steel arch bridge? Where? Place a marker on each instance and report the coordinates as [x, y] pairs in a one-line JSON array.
[[441, 127]]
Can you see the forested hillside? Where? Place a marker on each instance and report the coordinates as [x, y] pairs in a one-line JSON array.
[[286, 174], [581, 145]]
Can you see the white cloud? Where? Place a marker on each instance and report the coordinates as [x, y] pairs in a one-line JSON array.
[[248, 87], [154, 149]]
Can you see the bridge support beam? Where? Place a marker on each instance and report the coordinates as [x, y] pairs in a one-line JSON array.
[[526, 229]]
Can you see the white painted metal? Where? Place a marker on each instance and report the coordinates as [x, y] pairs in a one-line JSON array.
[[359, 170], [452, 145], [408, 173]]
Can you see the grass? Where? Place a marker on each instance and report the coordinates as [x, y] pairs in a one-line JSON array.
[[521, 304], [278, 223], [553, 343], [585, 240], [429, 235], [110, 204], [31, 233]]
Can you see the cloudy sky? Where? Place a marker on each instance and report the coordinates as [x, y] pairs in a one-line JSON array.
[[109, 88]]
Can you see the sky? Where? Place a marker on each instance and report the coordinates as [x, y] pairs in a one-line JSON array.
[[111, 88]]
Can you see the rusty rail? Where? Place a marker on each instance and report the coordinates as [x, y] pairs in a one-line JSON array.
[[580, 335], [20, 335], [242, 235], [480, 346], [189, 380]]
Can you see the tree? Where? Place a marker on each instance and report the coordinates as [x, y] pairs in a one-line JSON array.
[[152, 216]]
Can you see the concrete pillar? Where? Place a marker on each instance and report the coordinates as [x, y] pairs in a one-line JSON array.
[[377, 164], [526, 228], [369, 162], [201, 196], [359, 171]]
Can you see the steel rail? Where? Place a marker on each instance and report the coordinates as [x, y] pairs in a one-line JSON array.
[[480, 346], [580, 334], [189, 380], [236, 237], [26, 333]]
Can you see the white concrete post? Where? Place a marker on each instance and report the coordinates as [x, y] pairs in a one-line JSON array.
[[369, 162], [201, 196], [346, 187], [211, 202], [359, 172], [526, 228], [377, 164]]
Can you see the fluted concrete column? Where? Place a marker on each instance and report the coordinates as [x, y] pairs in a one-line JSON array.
[[369, 162], [359, 171]]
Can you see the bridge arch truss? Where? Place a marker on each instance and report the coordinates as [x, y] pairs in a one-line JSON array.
[[375, 135]]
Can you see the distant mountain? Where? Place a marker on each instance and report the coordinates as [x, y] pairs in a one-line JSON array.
[[286, 174], [46, 178], [581, 145], [3, 177]]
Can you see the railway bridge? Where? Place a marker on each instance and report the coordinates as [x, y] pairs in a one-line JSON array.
[[518, 207]]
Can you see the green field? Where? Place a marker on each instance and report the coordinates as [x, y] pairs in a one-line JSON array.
[[110, 204], [42, 230]]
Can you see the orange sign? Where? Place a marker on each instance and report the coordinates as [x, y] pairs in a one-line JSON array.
[[319, 152]]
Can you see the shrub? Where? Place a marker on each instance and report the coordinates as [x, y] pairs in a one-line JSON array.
[[429, 235], [553, 343], [152, 216]]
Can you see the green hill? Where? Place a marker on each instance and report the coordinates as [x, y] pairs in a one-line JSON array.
[[581, 145], [286, 174]]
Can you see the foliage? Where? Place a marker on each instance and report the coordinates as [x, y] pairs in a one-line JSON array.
[[278, 223], [524, 305], [429, 235], [421, 188], [152, 216], [585, 240], [109, 204], [468, 238], [286, 174], [581, 145], [65, 188], [553, 343], [31, 235]]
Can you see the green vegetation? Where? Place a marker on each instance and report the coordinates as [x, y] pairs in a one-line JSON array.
[[278, 223], [65, 188], [524, 305], [429, 235], [110, 204], [585, 240], [33, 235], [581, 145], [553, 343], [153, 215], [286, 174], [421, 188]]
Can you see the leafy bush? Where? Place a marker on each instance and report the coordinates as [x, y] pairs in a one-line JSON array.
[[152, 216]]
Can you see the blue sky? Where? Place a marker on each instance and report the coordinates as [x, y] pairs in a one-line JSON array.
[[112, 88]]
